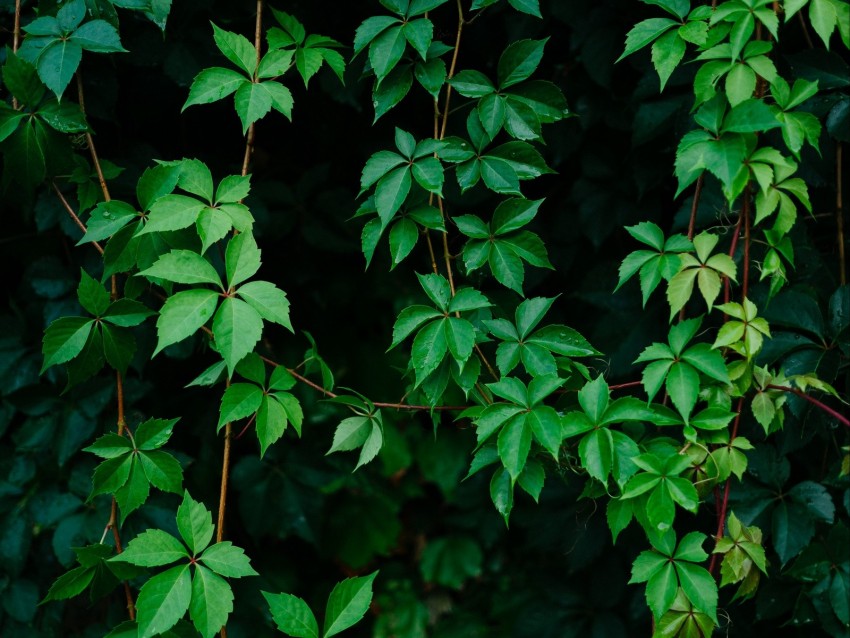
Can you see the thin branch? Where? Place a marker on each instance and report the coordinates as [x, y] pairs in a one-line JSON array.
[[90, 141], [839, 215], [74, 217], [724, 504], [745, 213], [818, 404], [732, 249], [692, 222], [258, 39], [806, 33], [16, 40]]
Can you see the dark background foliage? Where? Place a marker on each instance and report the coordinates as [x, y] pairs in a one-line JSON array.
[[449, 567]]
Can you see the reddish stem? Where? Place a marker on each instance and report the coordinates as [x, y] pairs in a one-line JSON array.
[[724, 504], [820, 405]]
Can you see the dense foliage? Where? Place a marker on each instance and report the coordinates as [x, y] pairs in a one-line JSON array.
[[465, 318]]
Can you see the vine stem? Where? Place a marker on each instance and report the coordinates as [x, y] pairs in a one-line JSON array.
[[74, 216], [90, 141], [724, 505], [693, 222], [16, 40], [818, 404], [839, 215], [377, 404]]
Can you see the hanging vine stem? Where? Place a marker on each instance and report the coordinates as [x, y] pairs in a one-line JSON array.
[[839, 215], [724, 505], [16, 40], [228, 428], [121, 423]]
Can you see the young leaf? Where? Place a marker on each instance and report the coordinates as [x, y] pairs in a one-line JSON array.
[[212, 602], [292, 615], [163, 600], [194, 522], [348, 603]]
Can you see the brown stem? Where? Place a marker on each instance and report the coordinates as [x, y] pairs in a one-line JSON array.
[[818, 404], [692, 222], [724, 504], [16, 40], [74, 217], [622, 386], [694, 207], [228, 428], [732, 249], [839, 215], [90, 140], [745, 213], [806, 33]]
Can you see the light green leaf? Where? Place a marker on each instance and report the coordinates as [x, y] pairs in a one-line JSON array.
[[212, 602], [183, 314], [348, 603], [292, 615], [152, 548], [194, 522], [253, 101], [227, 560], [237, 49], [162, 470], [172, 212], [237, 328], [242, 259], [183, 267], [239, 401], [211, 85], [519, 61], [163, 600], [64, 339], [667, 52]]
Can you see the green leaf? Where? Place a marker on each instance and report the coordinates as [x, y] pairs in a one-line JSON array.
[[429, 348], [64, 339], [506, 266], [70, 584], [661, 590], [227, 560], [172, 212], [391, 192], [350, 434], [211, 85], [98, 36], [451, 560], [252, 101], [512, 214], [271, 422], [370, 29], [162, 470], [163, 600], [237, 328], [156, 182], [212, 602], [152, 548], [119, 346], [596, 453], [348, 603], [643, 33], [667, 52], [183, 267], [419, 34], [239, 401], [106, 219], [699, 587], [472, 84], [237, 49], [460, 337], [57, 64], [514, 444], [194, 522], [268, 300], [519, 61], [183, 314], [292, 615], [386, 51], [281, 97], [92, 295], [111, 475], [126, 313], [242, 259]]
